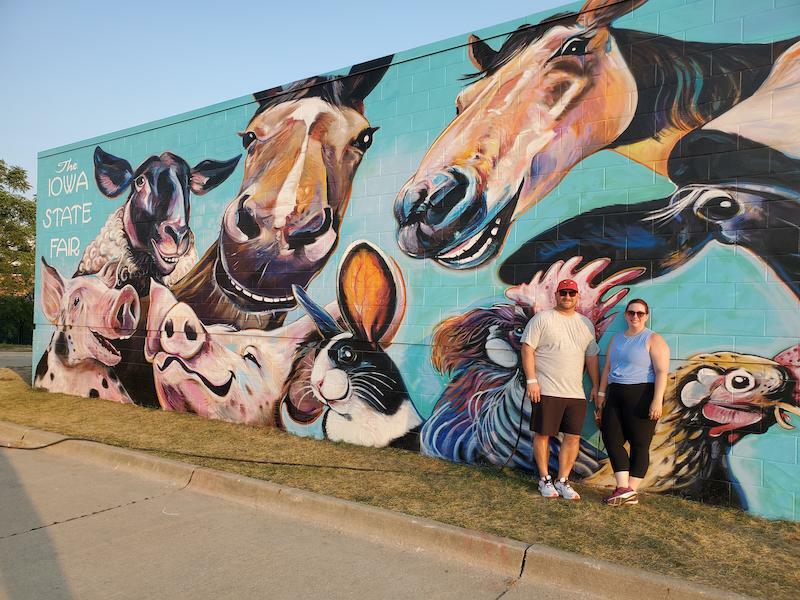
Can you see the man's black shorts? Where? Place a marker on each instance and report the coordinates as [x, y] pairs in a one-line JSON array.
[[553, 414]]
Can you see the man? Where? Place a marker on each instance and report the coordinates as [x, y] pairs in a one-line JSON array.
[[556, 344]]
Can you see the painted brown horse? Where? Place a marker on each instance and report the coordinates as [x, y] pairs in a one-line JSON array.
[[303, 146], [553, 94]]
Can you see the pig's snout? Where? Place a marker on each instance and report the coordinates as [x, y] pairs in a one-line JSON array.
[[182, 333], [124, 312]]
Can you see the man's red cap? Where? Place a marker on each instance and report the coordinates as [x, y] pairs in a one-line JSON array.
[[567, 284]]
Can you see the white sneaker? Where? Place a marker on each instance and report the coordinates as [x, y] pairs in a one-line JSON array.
[[546, 487], [564, 489]]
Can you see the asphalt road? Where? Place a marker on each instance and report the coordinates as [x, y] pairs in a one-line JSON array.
[[17, 361], [75, 529]]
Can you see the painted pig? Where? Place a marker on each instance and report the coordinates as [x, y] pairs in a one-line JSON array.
[[87, 312], [214, 370]]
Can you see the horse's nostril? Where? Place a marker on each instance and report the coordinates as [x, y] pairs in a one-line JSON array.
[[310, 231], [245, 220], [169, 328], [445, 198], [191, 332], [121, 314]]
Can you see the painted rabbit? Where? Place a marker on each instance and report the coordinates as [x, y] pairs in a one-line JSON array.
[[343, 385]]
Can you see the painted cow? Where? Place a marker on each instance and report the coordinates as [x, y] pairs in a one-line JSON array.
[[87, 311], [149, 234]]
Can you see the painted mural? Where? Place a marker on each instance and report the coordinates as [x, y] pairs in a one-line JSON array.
[[365, 247]]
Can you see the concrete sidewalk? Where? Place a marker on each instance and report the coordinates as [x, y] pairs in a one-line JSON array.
[[80, 519]]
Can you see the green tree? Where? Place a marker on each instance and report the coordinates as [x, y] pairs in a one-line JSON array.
[[17, 254]]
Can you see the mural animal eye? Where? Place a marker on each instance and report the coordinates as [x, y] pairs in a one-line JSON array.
[[347, 355], [364, 139], [574, 47], [247, 139], [739, 381], [139, 182], [518, 331], [249, 356], [76, 301], [718, 207]]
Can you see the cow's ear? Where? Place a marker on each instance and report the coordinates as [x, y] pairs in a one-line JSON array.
[[52, 292], [210, 173], [112, 174]]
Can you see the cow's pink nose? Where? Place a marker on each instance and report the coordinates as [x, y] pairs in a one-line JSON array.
[[182, 333]]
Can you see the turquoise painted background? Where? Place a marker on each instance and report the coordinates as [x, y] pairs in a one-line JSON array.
[[724, 299]]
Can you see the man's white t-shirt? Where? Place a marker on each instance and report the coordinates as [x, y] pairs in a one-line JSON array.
[[560, 343]]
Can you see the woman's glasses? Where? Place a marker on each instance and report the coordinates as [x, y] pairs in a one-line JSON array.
[[565, 293], [636, 313]]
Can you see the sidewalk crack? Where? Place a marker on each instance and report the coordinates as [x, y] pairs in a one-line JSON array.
[[512, 582], [91, 514]]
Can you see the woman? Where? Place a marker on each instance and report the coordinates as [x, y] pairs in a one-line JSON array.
[[630, 400]]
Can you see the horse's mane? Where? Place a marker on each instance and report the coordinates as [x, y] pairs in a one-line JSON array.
[[330, 89], [684, 85]]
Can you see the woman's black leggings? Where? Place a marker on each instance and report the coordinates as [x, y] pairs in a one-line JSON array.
[[626, 418]]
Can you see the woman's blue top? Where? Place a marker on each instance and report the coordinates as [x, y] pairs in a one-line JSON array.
[[630, 359]]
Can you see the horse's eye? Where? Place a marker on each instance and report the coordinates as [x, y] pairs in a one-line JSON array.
[[739, 381], [518, 331], [364, 139], [139, 182], [251, 357], [347, 355], [717, 207], [574, 47], [247, 139]]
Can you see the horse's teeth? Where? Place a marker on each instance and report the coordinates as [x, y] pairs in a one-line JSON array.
[[494, 231], [257, 297]]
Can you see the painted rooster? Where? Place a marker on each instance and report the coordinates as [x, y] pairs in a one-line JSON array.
[[483, 415], [711, 403]]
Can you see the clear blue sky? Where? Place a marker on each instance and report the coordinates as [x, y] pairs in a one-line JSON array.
[[75, 70]]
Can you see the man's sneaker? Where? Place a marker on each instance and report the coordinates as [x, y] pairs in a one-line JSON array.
[[622, 495], [565, 490], [546, 487]]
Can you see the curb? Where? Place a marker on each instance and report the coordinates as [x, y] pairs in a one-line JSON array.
[[516, 560]]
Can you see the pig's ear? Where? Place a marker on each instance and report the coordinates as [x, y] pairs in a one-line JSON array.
[[108, 274], [113, 175], [161, 301], [52, 291]]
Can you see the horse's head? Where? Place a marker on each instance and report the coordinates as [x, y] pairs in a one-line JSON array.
[[303, 146], [156, 213], [553, 94]]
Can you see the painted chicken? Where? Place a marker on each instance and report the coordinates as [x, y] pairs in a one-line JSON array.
[[482, 415], [711, 403]]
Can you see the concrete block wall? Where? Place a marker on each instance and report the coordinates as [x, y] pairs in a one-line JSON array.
[[659, 135]]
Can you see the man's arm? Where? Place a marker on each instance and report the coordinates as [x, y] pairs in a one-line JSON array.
[[529, 368], [593, 367]]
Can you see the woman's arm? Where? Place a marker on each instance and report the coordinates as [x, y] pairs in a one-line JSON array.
[[659, 355], [601, 393]]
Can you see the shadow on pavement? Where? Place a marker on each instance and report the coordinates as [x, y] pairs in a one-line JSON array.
[[29, 565]]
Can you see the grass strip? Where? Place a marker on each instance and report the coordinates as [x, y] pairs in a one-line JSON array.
[[723, 547]]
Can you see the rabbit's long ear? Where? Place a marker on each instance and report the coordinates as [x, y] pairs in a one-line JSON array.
[[371, 293], [325, 323]]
